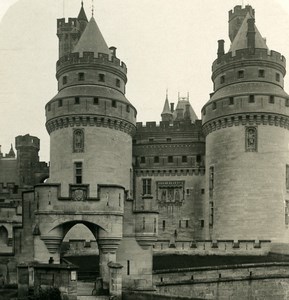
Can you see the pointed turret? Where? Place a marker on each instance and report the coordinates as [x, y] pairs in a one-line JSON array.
[[82, 15], [167, 114], [82, 18], [92, 40], [11, 153], [70, 32]]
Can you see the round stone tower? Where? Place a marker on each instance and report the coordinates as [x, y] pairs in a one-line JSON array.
[[246, 124], [90, 121]]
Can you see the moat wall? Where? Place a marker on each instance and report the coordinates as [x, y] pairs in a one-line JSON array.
[[250, 281]]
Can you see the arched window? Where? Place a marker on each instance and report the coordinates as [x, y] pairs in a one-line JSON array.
[[3, 236], [78, 140]]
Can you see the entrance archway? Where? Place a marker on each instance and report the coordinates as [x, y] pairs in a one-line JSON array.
[[79, 247]]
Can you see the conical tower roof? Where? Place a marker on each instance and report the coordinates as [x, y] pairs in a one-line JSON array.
[[92, 40], [166, 109], [11, 152], [240, 41], [82, 15]]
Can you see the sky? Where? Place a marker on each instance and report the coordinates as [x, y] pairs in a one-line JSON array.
[[166, 44]]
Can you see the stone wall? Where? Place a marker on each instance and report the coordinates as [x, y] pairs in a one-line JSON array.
[[242, 207], [251, 281]]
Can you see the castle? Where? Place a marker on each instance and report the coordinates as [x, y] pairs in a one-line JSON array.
[[222, 178]]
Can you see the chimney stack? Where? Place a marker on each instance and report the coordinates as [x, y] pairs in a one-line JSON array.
[[221, 48], [251, 34]]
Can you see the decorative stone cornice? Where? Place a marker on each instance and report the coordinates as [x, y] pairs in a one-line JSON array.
[[52, 243], [251, 119], [170, 172], [84, 120], [164, 145], [108, 244]]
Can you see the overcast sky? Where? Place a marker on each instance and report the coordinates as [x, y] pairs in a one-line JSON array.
[[165, 44]]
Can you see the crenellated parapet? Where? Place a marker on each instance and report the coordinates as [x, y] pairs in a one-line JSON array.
[[271, 57], [259, 100], [27, 141], [62, 24], [101, 61], [167, 126], [109, 199]]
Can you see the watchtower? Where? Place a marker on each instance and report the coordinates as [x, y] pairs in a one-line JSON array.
[[27, 157], [236, 18], [246, 127], [91, 123]]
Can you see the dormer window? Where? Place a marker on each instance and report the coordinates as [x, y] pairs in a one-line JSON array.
[[231, 101], [117, 82], [241, 74], [127, 108], [113, 103], [59, 102], [101, 77], [80, 76], [214, 105], [222, 79], [76, 100], [95, 101], [261, 73]]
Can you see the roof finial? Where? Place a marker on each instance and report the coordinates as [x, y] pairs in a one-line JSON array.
[[82, 3], [92, 8], [167, 94]]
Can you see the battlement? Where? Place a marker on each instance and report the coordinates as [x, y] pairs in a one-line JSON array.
[[246, 54], [27, 141], [240, 11], [166, 125], [89, 58], [62, 24]]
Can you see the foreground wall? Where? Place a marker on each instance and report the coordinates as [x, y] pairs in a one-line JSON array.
[[251, 281]]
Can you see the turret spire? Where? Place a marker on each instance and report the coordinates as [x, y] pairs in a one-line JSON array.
[[166, 114], [82, 15]]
